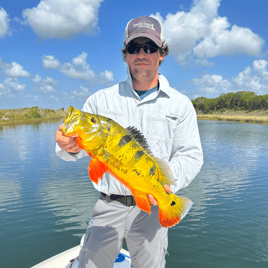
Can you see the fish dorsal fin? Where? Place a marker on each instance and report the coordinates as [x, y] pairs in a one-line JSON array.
[[139, 138], [165, 173]]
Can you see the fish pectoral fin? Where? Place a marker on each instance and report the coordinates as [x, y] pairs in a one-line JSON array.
[[96, 169], [142, 201], [165, 175]]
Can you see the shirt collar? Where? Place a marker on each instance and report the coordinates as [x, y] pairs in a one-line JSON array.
[[163, 83]]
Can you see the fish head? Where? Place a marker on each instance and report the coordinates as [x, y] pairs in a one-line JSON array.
[[89, 127], [93, 132], [71, 122]]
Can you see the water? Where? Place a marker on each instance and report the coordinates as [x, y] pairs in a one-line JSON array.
[[45, 203]]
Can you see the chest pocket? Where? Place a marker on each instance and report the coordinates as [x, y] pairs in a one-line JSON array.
[[159, 133], [163, 127]]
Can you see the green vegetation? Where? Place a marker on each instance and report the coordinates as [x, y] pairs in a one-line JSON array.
[[244, 106], [243, 100], [11, 117]]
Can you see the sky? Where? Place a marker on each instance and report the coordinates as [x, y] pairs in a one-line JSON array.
[[56, 53]]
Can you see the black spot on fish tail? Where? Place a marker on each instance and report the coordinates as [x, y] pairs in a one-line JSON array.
[[173, 203], [138, 154], [124, 140], [152, 170]]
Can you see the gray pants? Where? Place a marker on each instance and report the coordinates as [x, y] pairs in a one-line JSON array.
[[111, 224]]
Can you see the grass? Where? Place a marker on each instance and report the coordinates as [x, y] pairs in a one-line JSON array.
[[13, 117], [23, 116], [253, 117]]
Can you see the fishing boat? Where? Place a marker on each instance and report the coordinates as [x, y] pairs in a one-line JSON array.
[[70, 259]]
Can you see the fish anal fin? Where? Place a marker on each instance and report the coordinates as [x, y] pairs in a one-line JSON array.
[[96, 169], [142, 201]]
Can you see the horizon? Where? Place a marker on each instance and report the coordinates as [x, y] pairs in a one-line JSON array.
[[53, 57]]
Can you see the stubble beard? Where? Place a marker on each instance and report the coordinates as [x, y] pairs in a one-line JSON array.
[[140, 76]]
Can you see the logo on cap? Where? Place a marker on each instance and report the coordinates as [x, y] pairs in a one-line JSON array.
[[144, 24]]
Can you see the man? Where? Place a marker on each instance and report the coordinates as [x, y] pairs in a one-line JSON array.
[[168, 121]]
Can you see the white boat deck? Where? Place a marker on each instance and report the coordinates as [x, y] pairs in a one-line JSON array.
[[63, 259]]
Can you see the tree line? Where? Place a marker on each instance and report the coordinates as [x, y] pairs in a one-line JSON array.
[[242, 100]]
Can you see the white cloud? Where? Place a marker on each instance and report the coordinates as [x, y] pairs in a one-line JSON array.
[[45, 85], [9, 86], [80, 69], [81, 95], [54, 98], [4, 22], [15, 70], [30, 96], [201, 33], [224, 41], [63, 18], [49, 62], [106, 76], [253, 78], [211, 84], [260, 66]]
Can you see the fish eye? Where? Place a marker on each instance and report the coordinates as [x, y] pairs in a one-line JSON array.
[[93, 120]]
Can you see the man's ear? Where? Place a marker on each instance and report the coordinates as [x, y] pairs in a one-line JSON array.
[[161, 58]]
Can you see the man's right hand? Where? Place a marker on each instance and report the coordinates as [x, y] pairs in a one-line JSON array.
[[66, 143]]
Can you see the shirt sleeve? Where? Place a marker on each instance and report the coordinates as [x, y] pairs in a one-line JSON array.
[[74, 156], [187, 157]]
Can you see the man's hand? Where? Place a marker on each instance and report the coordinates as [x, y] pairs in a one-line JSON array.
[[66, 143], [153, 201]]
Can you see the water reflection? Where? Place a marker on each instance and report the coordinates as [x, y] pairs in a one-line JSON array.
[[10, 192], [71, 200], [43, 196]]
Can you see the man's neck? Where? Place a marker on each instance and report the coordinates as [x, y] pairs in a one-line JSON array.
[[144, 85]]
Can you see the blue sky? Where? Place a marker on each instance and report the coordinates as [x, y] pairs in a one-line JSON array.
[[56, 53]]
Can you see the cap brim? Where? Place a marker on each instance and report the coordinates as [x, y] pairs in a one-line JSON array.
[[150, 36]]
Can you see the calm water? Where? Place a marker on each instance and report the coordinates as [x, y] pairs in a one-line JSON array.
[[45, 203]]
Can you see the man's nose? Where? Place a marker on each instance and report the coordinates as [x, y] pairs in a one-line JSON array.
[[141, 53]]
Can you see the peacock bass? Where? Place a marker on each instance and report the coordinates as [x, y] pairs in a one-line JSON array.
[[125, 154]]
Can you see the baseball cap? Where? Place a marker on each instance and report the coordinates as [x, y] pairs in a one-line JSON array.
[[144, 26]]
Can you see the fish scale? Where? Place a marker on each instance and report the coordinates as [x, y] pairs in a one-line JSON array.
[[125, 154]]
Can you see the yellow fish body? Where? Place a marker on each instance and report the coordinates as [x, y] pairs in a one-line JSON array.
[[125, 155]]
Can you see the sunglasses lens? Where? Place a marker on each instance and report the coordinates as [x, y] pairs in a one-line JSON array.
[[134, 48]]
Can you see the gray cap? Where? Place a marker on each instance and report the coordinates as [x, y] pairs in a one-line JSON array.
[[144, 27]]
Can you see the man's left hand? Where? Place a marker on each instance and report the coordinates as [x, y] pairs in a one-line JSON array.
[[153, 201]]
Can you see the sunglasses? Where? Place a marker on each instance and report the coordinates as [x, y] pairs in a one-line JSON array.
[[148, 48]]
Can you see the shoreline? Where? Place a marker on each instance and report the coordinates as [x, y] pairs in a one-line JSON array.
[[252, 117], [25, 116]]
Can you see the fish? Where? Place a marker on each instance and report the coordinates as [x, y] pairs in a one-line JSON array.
[[125, 154]]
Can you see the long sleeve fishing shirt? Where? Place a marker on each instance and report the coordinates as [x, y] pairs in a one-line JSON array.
[[167, 120]]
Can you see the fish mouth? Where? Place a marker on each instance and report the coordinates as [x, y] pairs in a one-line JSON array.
[[67, 129]]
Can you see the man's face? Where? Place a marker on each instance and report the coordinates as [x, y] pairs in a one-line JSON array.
[[143, 67]]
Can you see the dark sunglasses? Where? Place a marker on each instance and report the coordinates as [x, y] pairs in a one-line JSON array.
[[134, 48]]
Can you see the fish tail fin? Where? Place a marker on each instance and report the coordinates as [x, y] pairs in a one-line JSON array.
[[171, 212]]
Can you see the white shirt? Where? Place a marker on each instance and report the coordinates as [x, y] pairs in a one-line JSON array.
[[166, 118]]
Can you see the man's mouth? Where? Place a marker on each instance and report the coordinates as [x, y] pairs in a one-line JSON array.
[[142, 63]]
